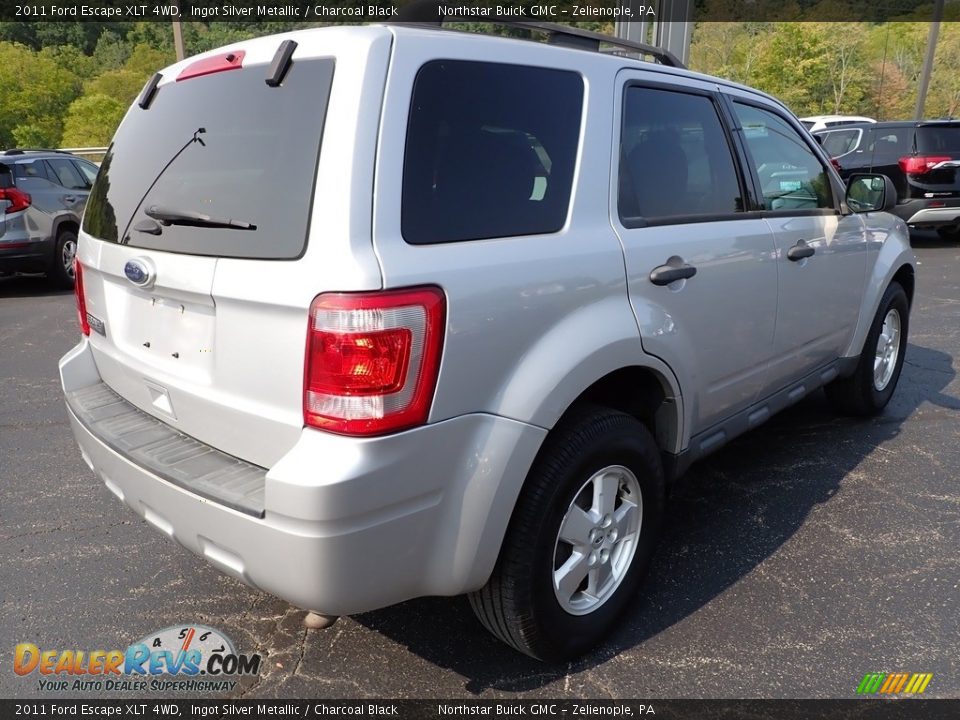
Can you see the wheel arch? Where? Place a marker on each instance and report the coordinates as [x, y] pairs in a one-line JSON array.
[[64, 222], [895, 263]]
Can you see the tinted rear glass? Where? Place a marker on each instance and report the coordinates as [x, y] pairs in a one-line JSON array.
[[839, 142], [490, 151], [253, 162], [938, 139]]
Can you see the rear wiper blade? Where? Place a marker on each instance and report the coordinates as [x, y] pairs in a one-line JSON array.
[[167, 216]]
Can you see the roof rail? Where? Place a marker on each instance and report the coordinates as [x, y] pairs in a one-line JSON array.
[[432, 13], [23, 151]]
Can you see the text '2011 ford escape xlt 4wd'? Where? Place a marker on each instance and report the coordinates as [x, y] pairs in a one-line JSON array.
[[373, 313]]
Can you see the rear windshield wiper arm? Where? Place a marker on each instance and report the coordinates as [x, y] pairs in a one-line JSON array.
[[167, 216]]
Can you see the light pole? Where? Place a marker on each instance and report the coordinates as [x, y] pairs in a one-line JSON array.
[[178, 33], [928, 61]]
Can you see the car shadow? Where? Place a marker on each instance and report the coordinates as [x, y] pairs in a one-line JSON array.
[[728, 514], [13, 286], [920, 238]]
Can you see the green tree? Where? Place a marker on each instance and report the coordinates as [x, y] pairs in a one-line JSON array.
[[36, 92], [92, 120], [794, 67], [111, 51]]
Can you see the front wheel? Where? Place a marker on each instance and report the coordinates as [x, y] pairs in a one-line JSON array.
[[871, 386], [580, 539]]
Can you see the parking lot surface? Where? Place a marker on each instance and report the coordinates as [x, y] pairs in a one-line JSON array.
[[797, 559]]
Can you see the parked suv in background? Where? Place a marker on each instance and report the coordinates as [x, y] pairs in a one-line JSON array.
[[443, 313], [922, 159], [822, 122], [42, 196]]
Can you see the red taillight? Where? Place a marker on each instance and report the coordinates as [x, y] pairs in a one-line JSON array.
[[213, 64], [836, 164], [81, 300], [372, 360], [920, 164], [18, 199]]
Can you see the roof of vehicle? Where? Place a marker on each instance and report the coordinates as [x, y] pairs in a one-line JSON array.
[[825, 118], [617, 59], [311, 44], [32, 152], [894, 123]]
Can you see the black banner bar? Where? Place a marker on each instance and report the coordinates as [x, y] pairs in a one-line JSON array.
[[564, 11], [858, 709]]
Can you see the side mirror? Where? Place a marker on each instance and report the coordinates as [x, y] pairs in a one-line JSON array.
[[870, 193], [819, 139]]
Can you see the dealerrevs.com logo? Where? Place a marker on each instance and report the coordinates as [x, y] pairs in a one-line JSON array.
[[189, 658]]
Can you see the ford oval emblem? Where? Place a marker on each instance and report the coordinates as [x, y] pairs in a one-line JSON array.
[[138, 272]]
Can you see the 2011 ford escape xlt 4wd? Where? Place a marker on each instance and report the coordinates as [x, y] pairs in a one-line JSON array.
[[372, 313]]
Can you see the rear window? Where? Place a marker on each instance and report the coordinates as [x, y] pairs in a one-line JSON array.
[[943, 139], [31, 169], [490, 151], [840, 142], [226, 146], [887, 142]]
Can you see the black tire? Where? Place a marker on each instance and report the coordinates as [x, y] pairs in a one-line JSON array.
[[518, 603], [858, 394], [950, 233], [59, 274]]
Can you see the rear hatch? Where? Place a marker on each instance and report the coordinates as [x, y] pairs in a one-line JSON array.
[[933, 170], [193, 248]]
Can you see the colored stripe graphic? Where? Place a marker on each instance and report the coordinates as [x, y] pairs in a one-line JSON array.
[[892, 683], [871, 683], [918, 682]]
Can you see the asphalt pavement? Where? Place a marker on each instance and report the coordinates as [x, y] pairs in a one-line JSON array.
[[800, 557]]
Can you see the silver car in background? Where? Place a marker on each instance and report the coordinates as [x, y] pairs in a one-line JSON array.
[[42, 196]]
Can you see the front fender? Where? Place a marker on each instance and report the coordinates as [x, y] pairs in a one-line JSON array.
[[892, 237]]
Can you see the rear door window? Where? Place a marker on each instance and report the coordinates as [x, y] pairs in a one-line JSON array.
[[840, 142], [887, 143], [66, 174], [675, 161], [225, 146], [490, 151]]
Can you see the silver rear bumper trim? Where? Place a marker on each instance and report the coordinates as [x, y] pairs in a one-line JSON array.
[[167, 453]]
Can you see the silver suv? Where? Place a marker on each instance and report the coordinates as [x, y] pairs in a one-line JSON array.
[[42, 196], [373, 313]]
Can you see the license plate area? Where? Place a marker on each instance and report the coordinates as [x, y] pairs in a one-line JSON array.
[[175, 335]]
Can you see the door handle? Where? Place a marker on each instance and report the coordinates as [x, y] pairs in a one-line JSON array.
[[671, 272], [69, 198], [800, 251]]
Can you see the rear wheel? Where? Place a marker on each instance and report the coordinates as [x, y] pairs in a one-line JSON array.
[[869, 389], [65, 251], [580, 539], [949, 232]]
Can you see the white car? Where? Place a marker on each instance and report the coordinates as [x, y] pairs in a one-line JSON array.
[[822, 122]]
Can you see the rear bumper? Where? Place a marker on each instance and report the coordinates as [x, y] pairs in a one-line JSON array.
[[918, 212], [21, 253], [349, 525]]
